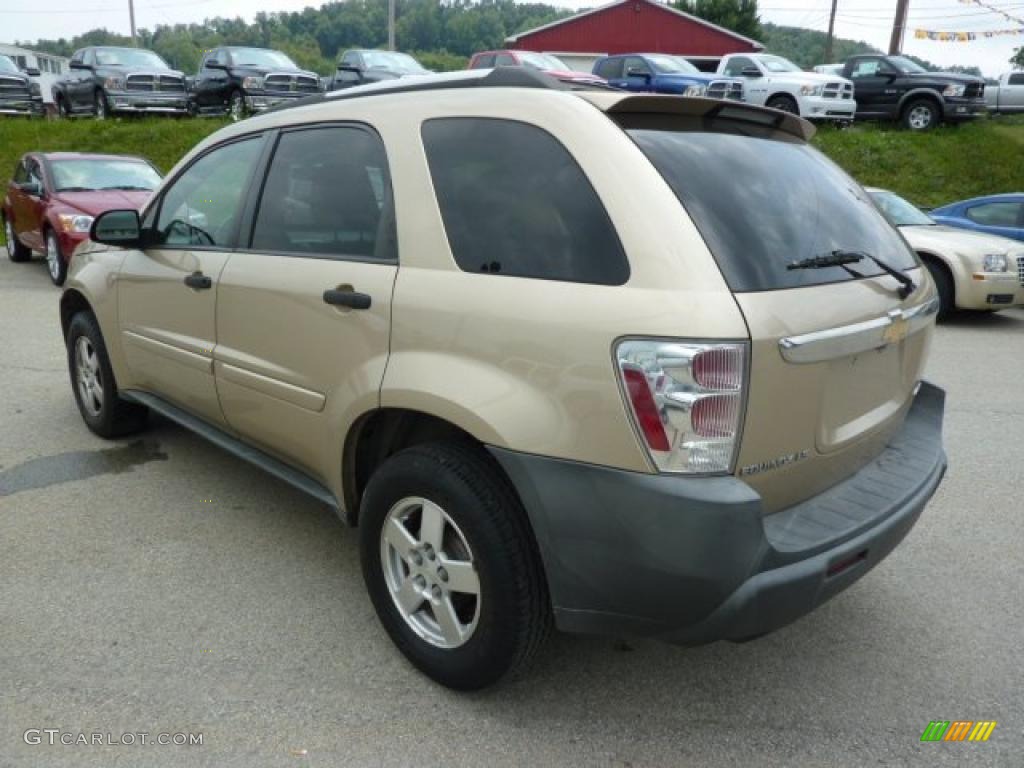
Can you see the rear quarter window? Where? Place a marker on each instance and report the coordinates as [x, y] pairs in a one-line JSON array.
[[763, 203], [514, 202]]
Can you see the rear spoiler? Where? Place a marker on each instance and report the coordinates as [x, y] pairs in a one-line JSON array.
[[710, 110]]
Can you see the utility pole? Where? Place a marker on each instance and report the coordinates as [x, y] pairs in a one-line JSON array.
[[831, 31], [391, 25], [131, 16], [899, 23]]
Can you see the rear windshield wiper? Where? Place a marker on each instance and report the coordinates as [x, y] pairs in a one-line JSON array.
[[840, 258]]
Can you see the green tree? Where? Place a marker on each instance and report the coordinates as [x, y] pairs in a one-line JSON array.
[[1018, 58], [738, 15]]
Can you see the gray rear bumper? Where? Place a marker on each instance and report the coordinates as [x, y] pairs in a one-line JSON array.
[[693, 560]]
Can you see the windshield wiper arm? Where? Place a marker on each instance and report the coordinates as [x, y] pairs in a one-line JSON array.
[[128, 188], [840, 258]]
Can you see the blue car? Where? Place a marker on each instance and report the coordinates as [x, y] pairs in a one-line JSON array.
[[994, 214], [662, 73]]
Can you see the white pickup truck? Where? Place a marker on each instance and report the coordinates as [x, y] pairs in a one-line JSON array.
[[1007, 97], [773, 81]]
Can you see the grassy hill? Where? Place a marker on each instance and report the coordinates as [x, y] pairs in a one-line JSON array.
[[929, 169]]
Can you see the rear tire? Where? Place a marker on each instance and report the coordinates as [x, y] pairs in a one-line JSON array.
[[784, 104], [944, 286], [480, 531], [921, 115], [15, 250], [92, 381]]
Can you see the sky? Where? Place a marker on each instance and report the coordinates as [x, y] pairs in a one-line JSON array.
[[868, 20]]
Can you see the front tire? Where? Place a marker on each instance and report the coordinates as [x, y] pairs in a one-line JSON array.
[[236, 106], [784, 104], [16, 251], [92, 381], [944, 286], [921, 115], [451, 566], [63, 111], [56, 264], [101, 108]]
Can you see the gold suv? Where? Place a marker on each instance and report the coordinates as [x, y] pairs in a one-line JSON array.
[[638, 365]]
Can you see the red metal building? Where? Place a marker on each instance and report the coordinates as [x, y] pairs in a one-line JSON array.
[[634, 26]]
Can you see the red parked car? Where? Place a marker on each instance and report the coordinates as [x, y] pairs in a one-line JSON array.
[[545, 62], [54, 196]]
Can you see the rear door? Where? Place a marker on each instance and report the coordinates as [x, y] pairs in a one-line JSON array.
[[304, 310], [836, 352], [167, 292]]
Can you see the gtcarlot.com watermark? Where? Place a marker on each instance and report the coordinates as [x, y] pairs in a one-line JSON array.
[[53, 736]]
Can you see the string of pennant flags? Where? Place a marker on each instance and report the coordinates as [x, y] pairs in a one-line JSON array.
[[966, 37]]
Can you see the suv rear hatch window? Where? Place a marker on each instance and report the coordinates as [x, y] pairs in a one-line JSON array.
[[763, 203]]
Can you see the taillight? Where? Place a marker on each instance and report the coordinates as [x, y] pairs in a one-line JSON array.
[[686, 400]]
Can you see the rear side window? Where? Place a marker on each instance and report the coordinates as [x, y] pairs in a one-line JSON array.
[[1017, 79], [763, 203], [327, 193], [609, 69], [514, 202], [995, 214]]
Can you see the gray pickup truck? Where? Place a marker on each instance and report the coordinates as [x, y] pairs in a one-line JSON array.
[[1007, 97]]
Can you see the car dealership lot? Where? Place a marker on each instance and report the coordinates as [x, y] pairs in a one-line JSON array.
[[158, 584]]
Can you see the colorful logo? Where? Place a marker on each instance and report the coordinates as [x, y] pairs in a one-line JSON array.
[[958, 730]]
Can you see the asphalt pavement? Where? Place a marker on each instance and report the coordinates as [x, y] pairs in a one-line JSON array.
[[158, 585]]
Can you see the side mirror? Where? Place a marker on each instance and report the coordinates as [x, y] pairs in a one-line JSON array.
[[33, 188], [639, 73], [79, 65], [215, 65], [31, 71], [751, 72], [118, 228]]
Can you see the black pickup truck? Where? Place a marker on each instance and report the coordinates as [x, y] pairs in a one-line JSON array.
[[239, 81], [19, 93], [104, 80], [895, 88]]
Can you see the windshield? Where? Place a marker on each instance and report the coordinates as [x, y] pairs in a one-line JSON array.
[[6, 65], [89, 175], [906, 65], [669, 64], [261, 58], [900, 212], [397, 62], [129, 57], [779, 64], [542, 61], [763, 203]]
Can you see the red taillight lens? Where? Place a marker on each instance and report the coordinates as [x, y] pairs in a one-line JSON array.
[[715, 415], [644, 408], [719, 369]]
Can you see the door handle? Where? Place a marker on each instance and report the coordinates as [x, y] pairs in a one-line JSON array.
[[351, 299], [198, 281]]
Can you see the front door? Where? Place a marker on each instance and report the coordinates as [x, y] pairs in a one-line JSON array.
[[28, 207], [874, 86], [304, 313], [168, 291]]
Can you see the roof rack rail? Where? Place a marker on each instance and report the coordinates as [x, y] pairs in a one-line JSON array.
[[499, 77]]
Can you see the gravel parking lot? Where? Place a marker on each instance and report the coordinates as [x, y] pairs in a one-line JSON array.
[[159, 585]]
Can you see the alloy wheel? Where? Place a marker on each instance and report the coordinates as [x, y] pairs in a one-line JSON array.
[[9, 238], [430, 572], [53, 256], [920, 118], [237, 107], [88, 376]]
